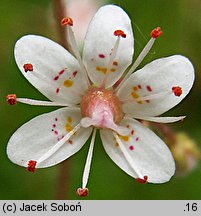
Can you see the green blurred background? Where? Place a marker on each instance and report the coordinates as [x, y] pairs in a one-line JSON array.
[[181, 23]]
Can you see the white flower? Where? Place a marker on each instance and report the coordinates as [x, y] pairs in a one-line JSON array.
[[87, 88]]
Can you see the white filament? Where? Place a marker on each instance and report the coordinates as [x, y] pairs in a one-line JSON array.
[[112, 57], [88, 161], [41, 103], [128, 157], [139, 59], [58, 145], [160, 119], [74, 47]]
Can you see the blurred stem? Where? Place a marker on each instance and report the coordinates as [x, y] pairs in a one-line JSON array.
[[62, 191], [59, 13]]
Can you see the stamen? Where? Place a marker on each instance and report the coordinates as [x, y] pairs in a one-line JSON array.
[[12, 99], [58, 145], [32, 166], [83, 192], [40, 103], [160, 119], [142, 181], [142, 55], [74, 47], [67, 21], [128, 157], [156, 32], [28, 67], [118, 82], [120, 33], [146, 98], [88, 161], [112, 57], [177, 90], [113, 54]]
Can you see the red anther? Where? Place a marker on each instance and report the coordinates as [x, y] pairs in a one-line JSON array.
[[12, 99], [28, 67], [143, 181], [177, 90], [32, 166], [67, 21], [120, 33], [156, 32], [83, 192]]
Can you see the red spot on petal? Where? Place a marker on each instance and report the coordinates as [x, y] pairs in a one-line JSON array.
[[32, 166], [56, 119], [56, 77], [57, 90], [156, 32], [11, 99], [54, 125], [56, 132], [132, 132], [137, 138], [61, 72], [28, 67], [74, 73], [120, 33], [131, 148], [149, 88], [143, 181], [177, 90], [101, 55], [67, 21], [83, 192]]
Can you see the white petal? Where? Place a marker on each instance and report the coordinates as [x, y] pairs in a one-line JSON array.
[[100, 41], [56, 73], [33, 139], [148, 152], [156, 80], [160, 119]]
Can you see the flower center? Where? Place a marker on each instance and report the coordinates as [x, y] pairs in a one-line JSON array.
[[100, 101], [101, 108]]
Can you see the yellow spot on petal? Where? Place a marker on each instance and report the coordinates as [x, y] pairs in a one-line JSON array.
[[69, 119], [68, 127], [68, 83], [124, 138], [140, 102], [135, 88], [135, 95], [117, 144], [102, 69], [113, 70]]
